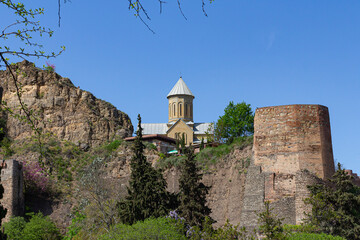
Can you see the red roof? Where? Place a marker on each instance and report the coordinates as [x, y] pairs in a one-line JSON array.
[[154, 136]]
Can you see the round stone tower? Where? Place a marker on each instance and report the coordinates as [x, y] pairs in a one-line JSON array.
[[293, 137], [180, 102]]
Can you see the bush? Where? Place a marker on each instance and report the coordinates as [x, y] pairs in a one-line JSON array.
[[303, 228], [113, 145], [37, 228], [172, 161], [211, 155], [152, 228], [14, 228], [36, 179], [313, 236]]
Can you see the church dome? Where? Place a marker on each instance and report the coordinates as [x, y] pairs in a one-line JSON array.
[[180, 88]]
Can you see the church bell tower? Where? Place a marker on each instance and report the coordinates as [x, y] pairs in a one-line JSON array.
[[180, 103]]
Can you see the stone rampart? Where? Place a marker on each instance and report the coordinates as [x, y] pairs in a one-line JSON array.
[[12, 181], [293, 149]]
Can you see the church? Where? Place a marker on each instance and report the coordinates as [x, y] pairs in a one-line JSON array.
[[181, 122]]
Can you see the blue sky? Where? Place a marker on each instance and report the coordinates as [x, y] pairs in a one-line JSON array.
[[262, 52]]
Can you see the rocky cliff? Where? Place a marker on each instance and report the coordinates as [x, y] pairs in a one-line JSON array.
[[61, 108]]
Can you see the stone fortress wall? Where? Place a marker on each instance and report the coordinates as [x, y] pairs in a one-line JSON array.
[[12, 181], [292, 149], [294, 137]]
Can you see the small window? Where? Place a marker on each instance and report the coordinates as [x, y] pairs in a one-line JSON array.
[[174, 110], [180, 109], [186, 109]]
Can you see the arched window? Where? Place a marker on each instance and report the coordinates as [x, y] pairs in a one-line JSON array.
[[174, 109], [180, 109], [169, 110], [186, 110], [191, 111]]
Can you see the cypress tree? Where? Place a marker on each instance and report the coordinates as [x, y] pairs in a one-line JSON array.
[[202, 144], [147, 195], [192, 192]]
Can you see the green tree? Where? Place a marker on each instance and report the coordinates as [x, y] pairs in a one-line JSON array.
[[202, 144], [270, 225], [192, 192], [336, 206], [147, 195], [237, 121], [37, 228]]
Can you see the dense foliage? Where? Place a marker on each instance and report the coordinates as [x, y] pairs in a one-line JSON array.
[[336, 206], [237, 121], [313, 236], [151, 228], [147, 195], [192, 192], [37, 228]]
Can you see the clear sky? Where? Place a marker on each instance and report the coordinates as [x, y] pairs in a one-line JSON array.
[[265, 53]]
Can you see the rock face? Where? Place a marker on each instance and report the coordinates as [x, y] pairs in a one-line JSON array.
[[68, 112]]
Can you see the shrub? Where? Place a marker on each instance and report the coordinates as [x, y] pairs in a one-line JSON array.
[[14, 228], [113, 145], [37, 228], [150, 146], [304, 228], [313, 236], [35, 177], [152, 228]]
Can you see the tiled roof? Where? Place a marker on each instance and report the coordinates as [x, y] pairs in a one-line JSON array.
[[201, 128], [153, 136], [180, 88], [161, 128], [154, 128]]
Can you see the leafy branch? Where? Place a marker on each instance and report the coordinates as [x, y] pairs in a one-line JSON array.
[[24, 27]]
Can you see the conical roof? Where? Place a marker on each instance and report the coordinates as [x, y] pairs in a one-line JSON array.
[[180, 88]]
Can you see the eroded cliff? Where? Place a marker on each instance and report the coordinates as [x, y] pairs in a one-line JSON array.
[[61, 108]]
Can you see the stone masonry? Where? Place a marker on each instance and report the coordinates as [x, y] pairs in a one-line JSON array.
[[294, 137], [292, 149], [12, 181]]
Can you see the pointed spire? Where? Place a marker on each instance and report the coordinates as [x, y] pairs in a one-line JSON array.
[[180, 88]]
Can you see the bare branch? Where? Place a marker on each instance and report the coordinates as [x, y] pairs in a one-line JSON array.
[[178, 1], [203, 8], [59, 15]]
